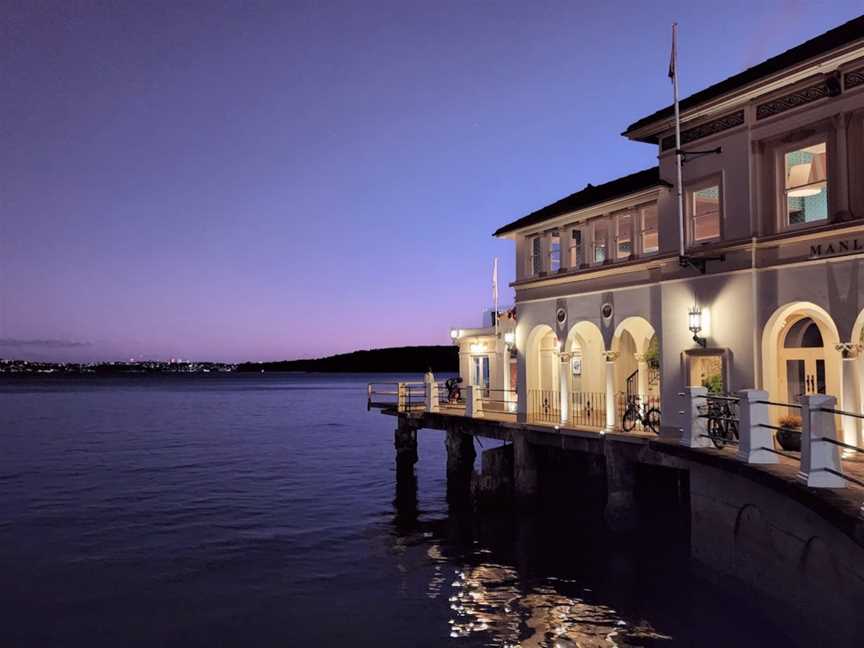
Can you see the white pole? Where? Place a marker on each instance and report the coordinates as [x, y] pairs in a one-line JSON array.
[[673, 71], [495, 291]]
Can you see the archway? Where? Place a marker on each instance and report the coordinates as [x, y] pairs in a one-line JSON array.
[[542, 368], [585, 382], [799, 354], [634, 342]]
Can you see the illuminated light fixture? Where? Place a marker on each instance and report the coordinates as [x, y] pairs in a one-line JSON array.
[[477, 348], [454, 334], [510, 338], [695, 325]]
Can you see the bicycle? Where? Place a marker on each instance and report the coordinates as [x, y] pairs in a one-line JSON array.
[[633, 414], [722, 426]]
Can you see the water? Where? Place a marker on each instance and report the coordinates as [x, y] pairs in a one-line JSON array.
[[263, 510]]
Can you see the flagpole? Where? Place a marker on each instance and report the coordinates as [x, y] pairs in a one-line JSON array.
[[678, 155], [495, 291]]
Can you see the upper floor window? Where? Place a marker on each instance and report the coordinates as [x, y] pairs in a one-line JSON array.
[[535, 258], [704, 207], [806, 186], [577, 248], [648, 229], [554, 252], [601, 240], [623, 235]]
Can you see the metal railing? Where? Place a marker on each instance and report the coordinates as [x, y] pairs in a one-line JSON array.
[[588, 409], [544, 406], [499, 400], [382, 395]]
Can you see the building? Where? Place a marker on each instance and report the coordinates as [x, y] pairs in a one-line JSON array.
[[769, 292]]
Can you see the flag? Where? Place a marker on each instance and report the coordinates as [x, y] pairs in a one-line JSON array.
[[674, 54]]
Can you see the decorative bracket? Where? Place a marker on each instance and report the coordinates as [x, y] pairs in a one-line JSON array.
[[698, 263], [686, 156]]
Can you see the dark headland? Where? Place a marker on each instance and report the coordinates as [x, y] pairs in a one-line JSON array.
[[410, 359]]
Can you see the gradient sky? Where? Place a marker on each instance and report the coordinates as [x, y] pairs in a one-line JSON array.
[[226, 180]]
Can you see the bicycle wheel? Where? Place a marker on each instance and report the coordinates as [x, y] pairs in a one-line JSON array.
[[717, 433], [628, 421], [652, 420]]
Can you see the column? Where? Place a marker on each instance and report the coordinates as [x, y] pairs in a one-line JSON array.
[[611, 357], [563, 372], [642, 376], [460, 466], [818, 455], [526, 482], [405, 442], [621, 514], [850, 398], [841, 182]]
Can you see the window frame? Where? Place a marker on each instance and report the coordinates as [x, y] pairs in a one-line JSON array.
[[534, 264], [783, 224], [578, 259], [641, 211], [552, 234], [713, 180], [616, 218], [594, 222]]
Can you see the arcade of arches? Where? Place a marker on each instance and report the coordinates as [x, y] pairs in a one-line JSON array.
[[802, 353], [563, 376]]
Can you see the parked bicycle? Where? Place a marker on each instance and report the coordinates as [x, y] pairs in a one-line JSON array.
[[722, 425], [636, 413]]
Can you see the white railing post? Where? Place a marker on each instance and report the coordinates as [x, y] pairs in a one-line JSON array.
[[693, 432], [817, 455], [754, 437], [473, 404], [431, 394]]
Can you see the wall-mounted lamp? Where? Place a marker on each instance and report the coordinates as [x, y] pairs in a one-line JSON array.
[[454, 334], [695, 325], [509, 338]]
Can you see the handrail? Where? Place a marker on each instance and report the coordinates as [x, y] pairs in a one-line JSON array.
[[840, 412], [841, 475], [766, 402], [778, 428], [840, 443]]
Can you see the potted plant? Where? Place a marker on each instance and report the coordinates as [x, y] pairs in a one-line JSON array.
[[789, 434]]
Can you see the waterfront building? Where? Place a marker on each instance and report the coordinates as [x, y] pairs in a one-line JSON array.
[[769, 289]]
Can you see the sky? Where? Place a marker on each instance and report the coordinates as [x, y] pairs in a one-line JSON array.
[[258, 181]]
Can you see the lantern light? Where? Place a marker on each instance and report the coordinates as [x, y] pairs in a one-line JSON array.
[[694, 318]]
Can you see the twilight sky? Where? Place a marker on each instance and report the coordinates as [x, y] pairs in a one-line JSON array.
[[227, 180]]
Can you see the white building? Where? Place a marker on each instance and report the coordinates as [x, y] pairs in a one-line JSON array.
[[772, 279]]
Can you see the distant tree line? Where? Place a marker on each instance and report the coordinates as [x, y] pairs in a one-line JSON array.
[[413, 359]]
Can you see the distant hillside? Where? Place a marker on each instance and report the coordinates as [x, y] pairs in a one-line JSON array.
[[413, 359]]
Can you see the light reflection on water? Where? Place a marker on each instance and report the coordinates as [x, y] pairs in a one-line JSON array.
[[487, 599]]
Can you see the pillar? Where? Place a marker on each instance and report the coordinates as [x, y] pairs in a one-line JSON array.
[[526, 477], [817, 455], [642, 376], [754, 437], [460, 466], [621, 514], [563, 385], [850, 398], [611, 357], [405, 442], [693, 433], [840, 186]]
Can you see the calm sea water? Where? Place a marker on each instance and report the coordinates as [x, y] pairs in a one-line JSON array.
[[263, 510]]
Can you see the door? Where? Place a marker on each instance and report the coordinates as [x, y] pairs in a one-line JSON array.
[[480, 377], [805, 374]]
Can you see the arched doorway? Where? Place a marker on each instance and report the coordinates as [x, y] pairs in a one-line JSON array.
[[637, 373], [799, 353], [543, 381], [585, 383], [802, 362]]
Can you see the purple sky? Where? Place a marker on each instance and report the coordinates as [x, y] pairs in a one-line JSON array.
[[291, 179]]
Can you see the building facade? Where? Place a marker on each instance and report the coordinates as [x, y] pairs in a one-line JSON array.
[[769, 292]]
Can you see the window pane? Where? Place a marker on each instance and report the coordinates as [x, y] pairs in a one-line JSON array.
[[806, 184], [624, 244], [650, 242], [705, 210], [577, 254], [554, 253], [601, 239], [535, 256]]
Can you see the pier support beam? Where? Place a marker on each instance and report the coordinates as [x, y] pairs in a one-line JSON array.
[[526, 481], [405, 442], [621, 514], [460, 466]]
